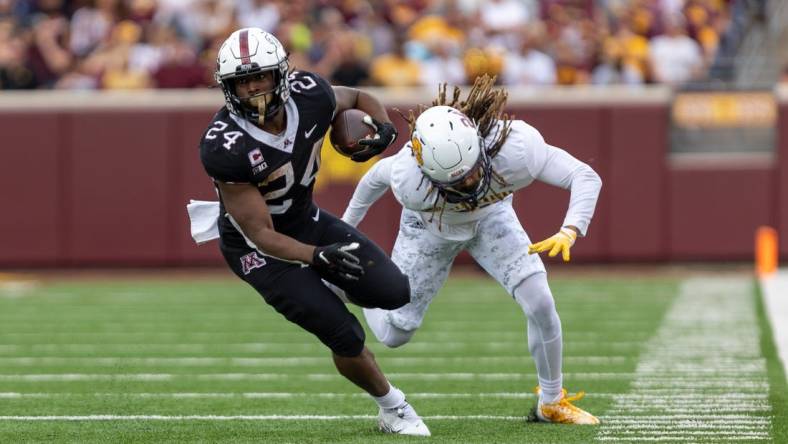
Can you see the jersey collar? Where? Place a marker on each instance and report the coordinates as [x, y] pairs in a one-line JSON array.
[[283, 142]]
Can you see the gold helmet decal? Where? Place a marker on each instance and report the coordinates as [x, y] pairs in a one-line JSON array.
[[415, 146]]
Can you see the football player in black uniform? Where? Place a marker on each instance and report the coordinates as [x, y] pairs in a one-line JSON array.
[[262, 151]]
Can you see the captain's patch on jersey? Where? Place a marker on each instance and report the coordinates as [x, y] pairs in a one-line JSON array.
[[256, 157], [251, 261]]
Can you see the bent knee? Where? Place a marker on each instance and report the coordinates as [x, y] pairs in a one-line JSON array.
[[534, 295], [543, 307], [395, 294], [396, 337], [347, 340]]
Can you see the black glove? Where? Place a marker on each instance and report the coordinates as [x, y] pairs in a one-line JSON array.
[[385, 133], [335, 259]]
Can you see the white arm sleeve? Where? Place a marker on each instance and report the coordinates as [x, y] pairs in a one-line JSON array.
[[371, 187], [562, 170]]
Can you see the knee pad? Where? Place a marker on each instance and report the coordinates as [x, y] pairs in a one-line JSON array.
[[396, 293], [347, 340]]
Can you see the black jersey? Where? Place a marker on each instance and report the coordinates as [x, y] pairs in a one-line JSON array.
[[284, 166]]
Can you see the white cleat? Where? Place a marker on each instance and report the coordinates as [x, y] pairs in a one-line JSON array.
[[402, 420]]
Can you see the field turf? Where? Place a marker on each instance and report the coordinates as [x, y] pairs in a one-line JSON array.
[[661, 359]]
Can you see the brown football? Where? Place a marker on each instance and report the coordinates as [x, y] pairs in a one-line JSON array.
[[347, 129]]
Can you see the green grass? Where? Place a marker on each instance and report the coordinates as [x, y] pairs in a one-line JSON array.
[[778, 393], [469, 358]]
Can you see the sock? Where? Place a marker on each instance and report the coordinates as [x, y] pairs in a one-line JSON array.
[[551, 390], [391, 400], [544, 333]]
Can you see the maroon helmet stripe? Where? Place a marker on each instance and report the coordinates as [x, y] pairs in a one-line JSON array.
[[244, 40]]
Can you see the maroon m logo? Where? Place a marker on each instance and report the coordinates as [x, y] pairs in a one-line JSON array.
[[251, 261]]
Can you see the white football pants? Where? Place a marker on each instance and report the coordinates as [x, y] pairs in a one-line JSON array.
[[500, 246]]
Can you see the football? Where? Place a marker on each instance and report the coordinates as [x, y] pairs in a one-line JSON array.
[[347, 129]]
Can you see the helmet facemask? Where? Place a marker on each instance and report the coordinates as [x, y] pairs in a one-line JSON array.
[[454, 195], [264, 105], [451, 154]]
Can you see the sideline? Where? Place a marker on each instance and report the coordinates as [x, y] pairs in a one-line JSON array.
[[775, 297], [708, 339]]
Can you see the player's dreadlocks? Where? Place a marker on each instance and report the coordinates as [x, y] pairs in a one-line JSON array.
[[484, 106]]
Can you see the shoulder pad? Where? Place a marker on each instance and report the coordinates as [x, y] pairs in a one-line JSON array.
[[408, 184], [311, 85], [223, 151]]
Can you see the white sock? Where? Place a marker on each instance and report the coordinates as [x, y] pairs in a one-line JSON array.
[[393, 399], [547, 356], [551, 390], [544, 333]]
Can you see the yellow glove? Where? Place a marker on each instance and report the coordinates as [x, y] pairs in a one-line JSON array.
[[560, 242]]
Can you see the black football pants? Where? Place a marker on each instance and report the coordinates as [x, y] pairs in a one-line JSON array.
[[299, 294]]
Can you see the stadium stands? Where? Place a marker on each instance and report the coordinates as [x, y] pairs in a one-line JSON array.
[[130, 44]]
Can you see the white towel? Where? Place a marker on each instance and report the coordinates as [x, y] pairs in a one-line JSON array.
[[204, 217]]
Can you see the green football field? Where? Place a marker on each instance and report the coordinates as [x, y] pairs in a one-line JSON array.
[[661, 359]]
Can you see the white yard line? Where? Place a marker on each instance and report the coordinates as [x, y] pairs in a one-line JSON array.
[[775, 298], [272, 395], [658, 398], [158, 335], [612, 422], [244, 418], [70, 377], [738, 437], [288, 361], [708, 340], [290, 347]]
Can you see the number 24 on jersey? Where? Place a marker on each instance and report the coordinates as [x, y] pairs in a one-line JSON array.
[[230, 137]]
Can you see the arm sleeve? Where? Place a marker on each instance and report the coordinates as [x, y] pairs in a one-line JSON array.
[[371, 187], [560, 169]]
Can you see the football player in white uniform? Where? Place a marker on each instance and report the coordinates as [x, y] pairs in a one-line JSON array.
[[455, 180]]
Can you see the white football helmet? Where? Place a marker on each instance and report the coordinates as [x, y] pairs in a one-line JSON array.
[[251, 51], [447, 147]]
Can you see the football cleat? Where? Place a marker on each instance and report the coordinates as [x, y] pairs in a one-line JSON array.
[[562, 411], [402, 420]]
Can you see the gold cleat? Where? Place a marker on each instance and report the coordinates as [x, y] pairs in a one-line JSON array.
[[563, 412]]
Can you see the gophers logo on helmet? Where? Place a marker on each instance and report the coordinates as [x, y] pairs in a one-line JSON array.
[[415, 146]]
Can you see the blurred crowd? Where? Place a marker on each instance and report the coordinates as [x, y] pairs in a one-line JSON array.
[[127, 44]]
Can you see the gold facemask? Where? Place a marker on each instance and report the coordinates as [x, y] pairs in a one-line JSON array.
[[261, 104]]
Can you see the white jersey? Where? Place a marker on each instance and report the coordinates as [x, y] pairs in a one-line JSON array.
[[523, 158]]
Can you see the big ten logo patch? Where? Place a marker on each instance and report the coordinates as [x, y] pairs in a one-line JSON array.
[[251, 261]]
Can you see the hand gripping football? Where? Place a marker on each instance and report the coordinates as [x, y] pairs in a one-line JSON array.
[[347, 129]]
